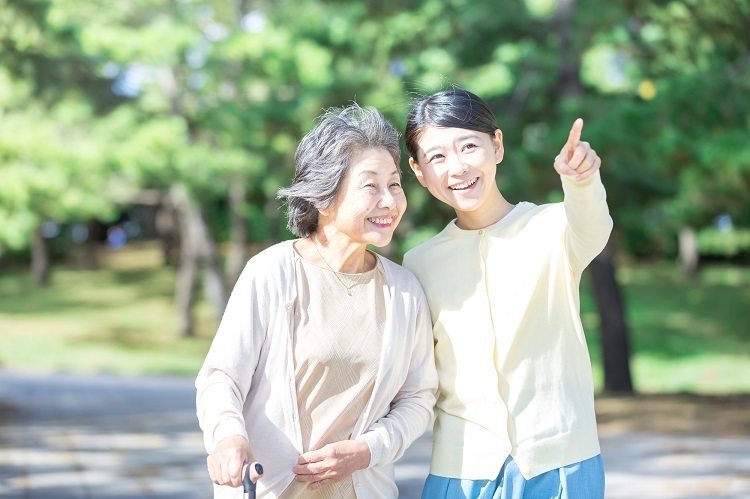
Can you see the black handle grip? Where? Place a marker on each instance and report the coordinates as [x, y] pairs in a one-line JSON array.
[[248, 484]]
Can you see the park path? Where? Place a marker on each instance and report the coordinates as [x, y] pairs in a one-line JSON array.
[[77, 436]]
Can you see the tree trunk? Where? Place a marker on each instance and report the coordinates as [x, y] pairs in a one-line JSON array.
[[87, 252], [688, 248], [569, 83], [195, 237], [214, 284], [271, 210], [40, 267], [196, 248], [238, 238], [185, 292], [614, 329], [167, 228]]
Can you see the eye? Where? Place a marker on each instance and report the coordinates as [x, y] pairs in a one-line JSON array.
[[395, 184], [469, 147], [435, 157]]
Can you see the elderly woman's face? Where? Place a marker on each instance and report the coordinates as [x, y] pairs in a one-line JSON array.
[[371, 201]]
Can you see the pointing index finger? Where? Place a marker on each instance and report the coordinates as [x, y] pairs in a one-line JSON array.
[[574, 137]]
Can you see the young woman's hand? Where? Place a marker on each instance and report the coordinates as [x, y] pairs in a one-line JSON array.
[[226, 461], [332, 463], [577, 159]]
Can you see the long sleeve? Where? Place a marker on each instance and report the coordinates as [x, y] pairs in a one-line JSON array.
[[411, 410], [588, 221], [226, 376]]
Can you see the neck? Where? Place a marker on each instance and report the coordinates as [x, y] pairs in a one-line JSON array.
[[491, 211], [339, 253]]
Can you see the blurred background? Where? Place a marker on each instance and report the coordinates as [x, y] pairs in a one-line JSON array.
[[142, 143]]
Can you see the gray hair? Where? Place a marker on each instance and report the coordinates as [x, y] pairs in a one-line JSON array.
[[324, 156]]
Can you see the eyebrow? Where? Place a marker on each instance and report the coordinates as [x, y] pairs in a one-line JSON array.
[[460, 138], [374, 173]]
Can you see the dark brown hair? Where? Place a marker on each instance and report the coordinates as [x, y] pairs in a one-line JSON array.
[[452, 108]]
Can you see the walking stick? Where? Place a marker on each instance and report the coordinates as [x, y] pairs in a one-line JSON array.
[[248, 484]]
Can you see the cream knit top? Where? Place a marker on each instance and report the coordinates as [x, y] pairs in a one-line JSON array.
[[337, 344]]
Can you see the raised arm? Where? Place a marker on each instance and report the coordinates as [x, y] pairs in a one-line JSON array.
[[588, 222]]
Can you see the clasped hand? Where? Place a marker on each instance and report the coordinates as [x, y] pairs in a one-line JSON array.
[[332, 463], [329, 464]]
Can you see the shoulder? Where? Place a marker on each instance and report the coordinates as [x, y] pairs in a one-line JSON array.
[[532, 209], [423, 251], [540, 213], [277, 252], [271, 262], [397, 274], [402, 281]]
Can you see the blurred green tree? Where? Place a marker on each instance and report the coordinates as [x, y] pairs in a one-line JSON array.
[[678, 110], [53, 166], [217, 95], [203, 102]]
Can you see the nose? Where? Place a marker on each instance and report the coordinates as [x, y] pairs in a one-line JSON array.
[[387, 199], [456, 167]]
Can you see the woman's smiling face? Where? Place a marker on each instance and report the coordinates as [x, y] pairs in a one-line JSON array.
[[458, 166], [371, 201]]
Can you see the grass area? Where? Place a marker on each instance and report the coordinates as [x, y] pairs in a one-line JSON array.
[[685, 335], [119, 318]]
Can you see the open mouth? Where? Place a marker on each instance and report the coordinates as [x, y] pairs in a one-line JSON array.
[[463, 185], [381, 221]]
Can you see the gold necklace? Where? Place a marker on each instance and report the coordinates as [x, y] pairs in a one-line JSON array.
[[336, 274]]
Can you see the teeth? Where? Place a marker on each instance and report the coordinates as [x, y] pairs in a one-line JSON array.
[[464, 185], [381, 220]]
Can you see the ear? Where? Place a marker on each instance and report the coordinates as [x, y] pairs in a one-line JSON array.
[[327, 211], [497, 141], [417, 171]]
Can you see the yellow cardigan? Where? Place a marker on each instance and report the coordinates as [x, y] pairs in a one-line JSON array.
[[514, 370]]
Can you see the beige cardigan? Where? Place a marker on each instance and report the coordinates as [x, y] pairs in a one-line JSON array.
[[247, 385]]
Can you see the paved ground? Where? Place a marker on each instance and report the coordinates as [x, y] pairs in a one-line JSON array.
[[65, 436]]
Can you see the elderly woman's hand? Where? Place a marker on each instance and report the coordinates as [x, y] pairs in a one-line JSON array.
[[226, 461], [332, 463]]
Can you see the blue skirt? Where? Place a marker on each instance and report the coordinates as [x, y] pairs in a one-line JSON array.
[[584, 480]]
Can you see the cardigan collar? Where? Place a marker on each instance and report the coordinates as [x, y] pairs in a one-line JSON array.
[[454, 230]]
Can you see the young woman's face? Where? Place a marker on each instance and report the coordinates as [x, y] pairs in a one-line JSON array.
[[371, 201], [458, 166]]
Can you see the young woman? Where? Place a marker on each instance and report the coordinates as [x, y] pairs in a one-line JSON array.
[[322, 368], [515, 411]]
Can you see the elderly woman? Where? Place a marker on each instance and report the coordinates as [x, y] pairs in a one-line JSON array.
[[322, 368]]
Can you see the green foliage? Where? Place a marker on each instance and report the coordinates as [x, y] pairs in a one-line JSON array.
[[724, 243], [52, 170], [103, 99], [52, 164]]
